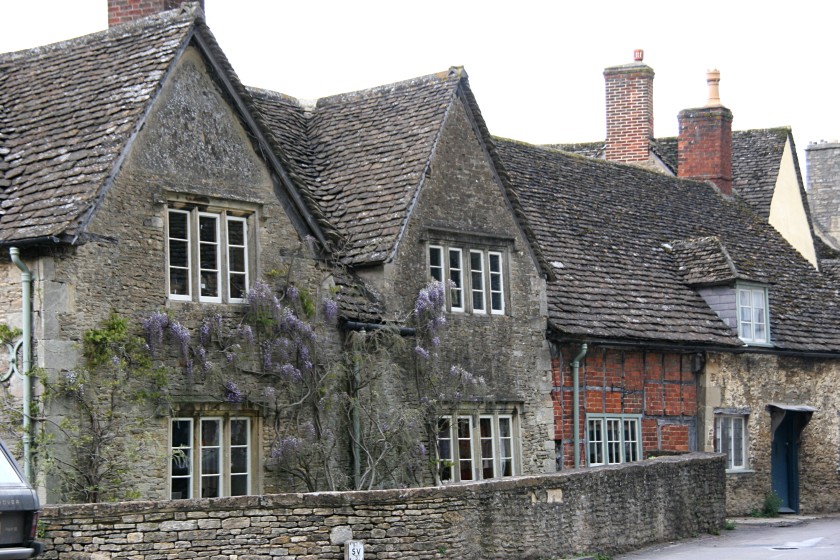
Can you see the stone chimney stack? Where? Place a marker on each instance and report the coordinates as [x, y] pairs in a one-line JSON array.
[[629, 111], [124, 11], [705, 140]]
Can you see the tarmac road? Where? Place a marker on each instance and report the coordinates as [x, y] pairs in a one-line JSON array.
[[811, 538]]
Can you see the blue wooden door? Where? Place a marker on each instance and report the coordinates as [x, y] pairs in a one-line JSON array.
[[785, 462]]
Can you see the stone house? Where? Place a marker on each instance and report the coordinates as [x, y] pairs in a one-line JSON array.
[[139, 175]]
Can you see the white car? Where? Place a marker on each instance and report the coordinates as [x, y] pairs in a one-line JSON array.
[[19, 510]]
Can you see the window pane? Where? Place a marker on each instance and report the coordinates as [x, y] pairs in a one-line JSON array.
[[181, 488], [210, 487], [236, 232], [208, 228], [445, 448], [239, 432], [631, 440], [505, 446], [236, 259], [239, 460], [455, 276], [477, 280], [181, 457], [181, 462], [239, 485], [237, 248], [737, 442], [210, 435], [497, 303], [210, 461], [209, 255], [179, 253], [613, 441], [465, 459], [436, 263], [488, 459], [596, 441], [726, 440]]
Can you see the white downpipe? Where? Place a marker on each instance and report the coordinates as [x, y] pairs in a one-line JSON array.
[[26, 288]]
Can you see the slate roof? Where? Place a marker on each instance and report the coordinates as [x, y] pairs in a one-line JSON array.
[[363, 155], [66, 112], [618, 235], [756, 160]]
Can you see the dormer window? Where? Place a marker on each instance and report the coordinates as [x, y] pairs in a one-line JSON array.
[[753, 323]]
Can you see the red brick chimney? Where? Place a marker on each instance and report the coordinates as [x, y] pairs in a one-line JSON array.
[[123, 11], [629, 111], [705, 142]]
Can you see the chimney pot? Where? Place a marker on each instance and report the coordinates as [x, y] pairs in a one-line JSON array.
[[638, 55], [713, 79]]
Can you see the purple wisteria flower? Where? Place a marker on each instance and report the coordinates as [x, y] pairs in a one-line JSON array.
[[330, 309], [293, 293], [153, 327], [182, 335], [285, 447], [232, 393], [422, 352]]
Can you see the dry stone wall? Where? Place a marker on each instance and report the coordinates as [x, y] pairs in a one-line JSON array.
[[608, 509]]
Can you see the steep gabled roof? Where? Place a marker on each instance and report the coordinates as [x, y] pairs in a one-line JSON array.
[[66, 112], [363, 155], [609, 230], [69, 113]]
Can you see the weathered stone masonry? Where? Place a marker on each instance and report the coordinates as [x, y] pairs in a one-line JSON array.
[[529, 517]]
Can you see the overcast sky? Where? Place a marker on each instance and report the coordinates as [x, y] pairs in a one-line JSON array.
[[535, 67]]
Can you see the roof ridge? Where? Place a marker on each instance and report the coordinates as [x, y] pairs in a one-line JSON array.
[[453, 75]]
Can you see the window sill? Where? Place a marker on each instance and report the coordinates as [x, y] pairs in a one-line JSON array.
[[740, 471]]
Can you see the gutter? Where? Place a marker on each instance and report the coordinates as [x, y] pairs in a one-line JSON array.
[[26, 314], [576, 407]]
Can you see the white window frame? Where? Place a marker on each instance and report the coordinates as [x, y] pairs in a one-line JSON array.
[[446, 263], [745, 303], [196, 451], [196, 269], [455, 274], [452, 448], [499, 275], [612, 439], [726, 441]]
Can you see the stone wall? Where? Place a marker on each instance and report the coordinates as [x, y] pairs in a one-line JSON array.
[[747, 384], [610, 509]]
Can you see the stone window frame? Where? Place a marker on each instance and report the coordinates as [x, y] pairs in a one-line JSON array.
[[722, 416], [224, 213], [745, 287], [187, 462], [481, 458], [493, 271], [612, 451]]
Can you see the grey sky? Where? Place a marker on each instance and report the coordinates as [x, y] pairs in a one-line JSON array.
[[535, 67]]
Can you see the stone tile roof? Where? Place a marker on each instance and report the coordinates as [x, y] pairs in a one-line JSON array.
[[66, 113], [703, 261], [756, 159], [363, 155], [610, 230]]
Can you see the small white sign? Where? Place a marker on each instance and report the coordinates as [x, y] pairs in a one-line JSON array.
[[354, 550]]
